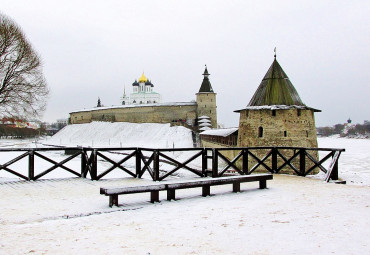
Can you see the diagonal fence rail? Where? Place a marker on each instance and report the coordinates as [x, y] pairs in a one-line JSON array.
[[162, 163]]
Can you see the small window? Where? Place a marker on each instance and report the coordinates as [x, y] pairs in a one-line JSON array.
[[298, 112], [246, 113], [307, 133], [260, 132], [285, 133], [210, 111], [273, 112]]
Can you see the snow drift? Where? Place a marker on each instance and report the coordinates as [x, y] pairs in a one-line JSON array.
[[123, 134]]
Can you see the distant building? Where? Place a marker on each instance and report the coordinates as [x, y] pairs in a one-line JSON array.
[[142, 93], [145, 106]]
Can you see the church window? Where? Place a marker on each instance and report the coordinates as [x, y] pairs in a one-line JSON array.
[[260, 132], [141, 102], [273, 112], [154, 101], [134, 101], [123, 102], [285, 133]]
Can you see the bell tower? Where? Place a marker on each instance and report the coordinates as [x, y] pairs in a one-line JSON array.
[[206, 100]]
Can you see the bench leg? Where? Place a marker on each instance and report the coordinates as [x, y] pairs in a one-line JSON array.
[[206, 190], [262, 184], [170, 194], [154, 196], [113, 200], [236, 187]]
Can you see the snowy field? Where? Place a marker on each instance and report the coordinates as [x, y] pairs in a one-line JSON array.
[[295, 215]]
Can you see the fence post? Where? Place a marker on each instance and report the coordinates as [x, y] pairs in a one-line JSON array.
[[156, 166], [204, 162], [302, 162], [214, 163], [83, 163], [334, 172], [274, 160], [138, 162], [31, 165], [245, 161], [94, 165]]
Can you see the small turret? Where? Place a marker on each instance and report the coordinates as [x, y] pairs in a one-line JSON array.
[[206, 100]]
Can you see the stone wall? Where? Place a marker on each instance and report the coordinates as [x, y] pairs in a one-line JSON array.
[[139, 114], [287, 128], [207, 106]]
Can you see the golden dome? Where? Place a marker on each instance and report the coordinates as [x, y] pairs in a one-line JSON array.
[[143, 79]]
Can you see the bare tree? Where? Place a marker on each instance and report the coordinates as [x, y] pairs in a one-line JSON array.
[[23, 89]]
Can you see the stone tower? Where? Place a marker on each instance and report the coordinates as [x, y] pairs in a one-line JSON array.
[[276, 116], [206, 100]]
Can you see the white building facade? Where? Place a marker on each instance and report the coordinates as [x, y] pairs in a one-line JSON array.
[[142, 93]]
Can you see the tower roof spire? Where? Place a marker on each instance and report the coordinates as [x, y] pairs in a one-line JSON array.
[[206, 84]]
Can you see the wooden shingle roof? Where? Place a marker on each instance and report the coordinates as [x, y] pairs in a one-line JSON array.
[[276, 89]]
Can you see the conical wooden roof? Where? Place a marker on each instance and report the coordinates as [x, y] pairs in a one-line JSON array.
[[276, 89], [206, 86]]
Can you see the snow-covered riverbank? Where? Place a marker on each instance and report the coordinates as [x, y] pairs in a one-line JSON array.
[[295, 215]]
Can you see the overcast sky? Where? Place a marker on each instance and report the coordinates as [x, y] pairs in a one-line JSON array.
[[93, 49]]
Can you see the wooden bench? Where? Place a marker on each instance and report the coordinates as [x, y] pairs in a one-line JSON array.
[[205, 184], [114, 192]]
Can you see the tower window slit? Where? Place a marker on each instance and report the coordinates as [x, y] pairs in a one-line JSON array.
[[260, 132]]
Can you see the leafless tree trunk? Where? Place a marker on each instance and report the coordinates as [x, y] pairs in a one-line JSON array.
[[23, 89]]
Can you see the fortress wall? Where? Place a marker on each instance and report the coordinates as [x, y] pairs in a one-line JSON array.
[[207, 106], [144, 114], [289, 128]]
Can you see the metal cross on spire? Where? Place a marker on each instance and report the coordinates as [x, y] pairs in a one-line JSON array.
[[275, 52]]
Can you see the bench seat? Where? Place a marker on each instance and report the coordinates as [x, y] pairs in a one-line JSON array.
[[114, 192], [205, 184]]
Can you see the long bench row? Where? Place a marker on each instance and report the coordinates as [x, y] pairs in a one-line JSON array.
[[205, 184]]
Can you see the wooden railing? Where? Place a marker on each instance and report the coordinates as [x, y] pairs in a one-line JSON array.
[[210, 161]]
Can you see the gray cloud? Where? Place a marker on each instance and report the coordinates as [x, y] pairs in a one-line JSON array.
[[93, 49]]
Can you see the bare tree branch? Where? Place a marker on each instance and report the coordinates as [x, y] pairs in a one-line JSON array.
[[23, 89]]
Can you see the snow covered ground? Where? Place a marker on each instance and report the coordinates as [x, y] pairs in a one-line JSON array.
[[295, 215]]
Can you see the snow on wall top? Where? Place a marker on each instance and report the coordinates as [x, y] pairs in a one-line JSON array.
[[220, 132], [136, 106]]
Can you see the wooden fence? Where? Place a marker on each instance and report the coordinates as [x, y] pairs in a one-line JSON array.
[[203, 161]]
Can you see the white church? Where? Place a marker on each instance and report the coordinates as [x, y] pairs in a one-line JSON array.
[[142, 93]]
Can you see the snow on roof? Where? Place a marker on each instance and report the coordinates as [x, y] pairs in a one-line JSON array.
[[204, 128], [220, 132], [136, 105], [204, 121], [203, 117], [205, 124], [278, 107]]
